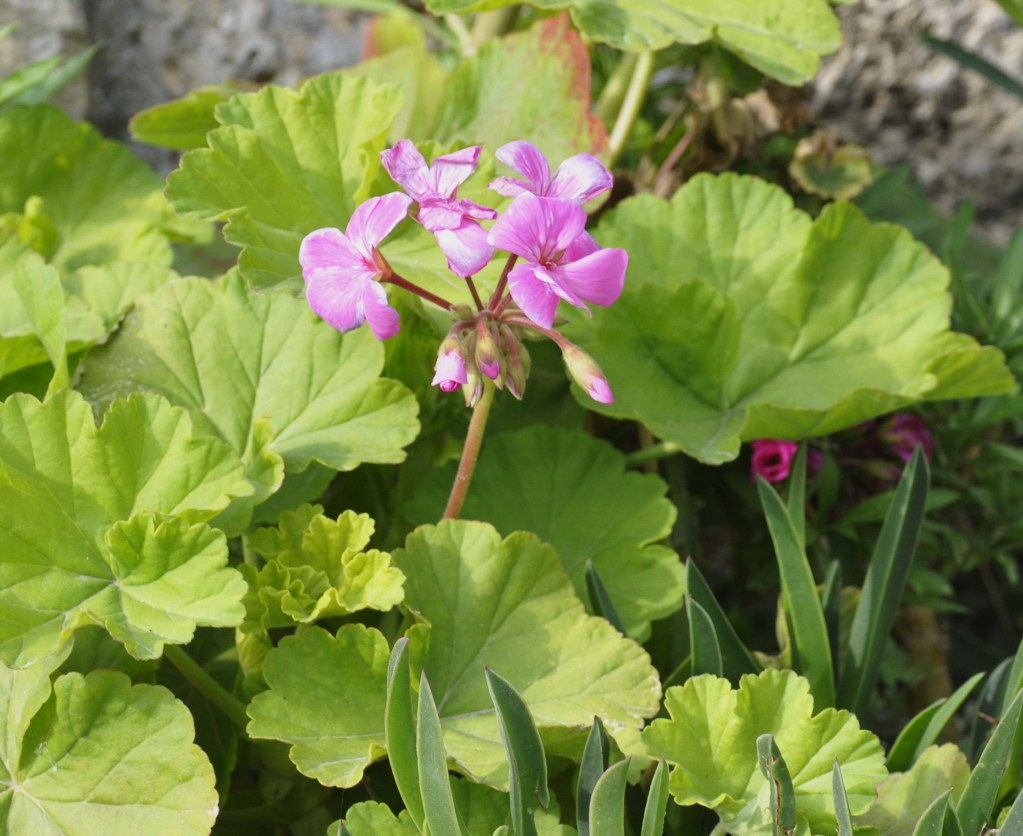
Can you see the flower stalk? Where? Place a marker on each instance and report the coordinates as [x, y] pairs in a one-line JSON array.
[[206, 685], [629, 112], [470, 451]]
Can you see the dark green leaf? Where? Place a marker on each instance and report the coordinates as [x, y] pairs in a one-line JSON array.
[[783, 796], [439, 810], [735, 657], [592, 766], [600, 601], [842, 814], [656, 802], [400, 731], [706, 652]]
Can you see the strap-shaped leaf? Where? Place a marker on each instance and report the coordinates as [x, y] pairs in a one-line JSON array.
[[599, 598], [526, 758], [703, 641], [800, 600], [1013, 822], [591, 767], [736, 659], [939, 819], [434, 782], [782, 794], [607, 806], [400, 731], [883, 586], [842, 814], [656, 802]]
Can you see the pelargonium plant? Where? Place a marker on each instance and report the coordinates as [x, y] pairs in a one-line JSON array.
[[551, 258]]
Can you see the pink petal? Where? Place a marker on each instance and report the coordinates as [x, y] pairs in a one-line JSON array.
[[581, 178], [597, 278], [373, 221], [509, 186], [382, 318], [527, 160], [327, 248], [600, 391], [474, 210], [467, 248], [536, 298], [440, 213], [451, 170], [449, 371], [337, 298], [537, 228], [408, 168], [581, 247]]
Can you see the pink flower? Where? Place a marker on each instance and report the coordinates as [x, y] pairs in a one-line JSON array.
[[341, 268], [560, 261], [449, 371], [580, 178], [904, 432], [434, 187], [772, 459]]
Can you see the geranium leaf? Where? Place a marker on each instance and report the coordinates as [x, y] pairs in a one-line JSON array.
[[509, 606], [735, 323], [327, 698], [711, 740], [574, 492], [233, 358], [182, 124], [100, 758], [83, 199], [101, 525], [283, 163]]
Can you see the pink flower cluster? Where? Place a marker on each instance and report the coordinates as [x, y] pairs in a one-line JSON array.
[[551, 258]]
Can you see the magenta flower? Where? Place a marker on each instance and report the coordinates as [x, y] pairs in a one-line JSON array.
[[904, 432], [434, 187], [449, 371], [580, 178], [772, 459], [341, 268], [560, 261]]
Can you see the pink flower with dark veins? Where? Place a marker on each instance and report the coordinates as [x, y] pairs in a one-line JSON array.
[[772, 459], [341, 268], [559, 259], [453, 222], [580, 178]]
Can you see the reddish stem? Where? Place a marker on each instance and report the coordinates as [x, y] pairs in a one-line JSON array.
[[395, 279], [470, 452], [475, 293], [503, 281]]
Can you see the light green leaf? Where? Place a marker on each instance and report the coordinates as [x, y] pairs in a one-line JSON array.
[[99, 525], [742, 319], [317, 567], [574, 492], [39, 290], [88, 198], [369, 818], [100, 757], [508, 605], [903, 797], [783, 39], [711, 741], [283, 163], [232, 358], [182, 124], [327, 696]]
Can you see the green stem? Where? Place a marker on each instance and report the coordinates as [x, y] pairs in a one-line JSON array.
[[207, 685], [462, 34], [490, 25], [629, 112], [611, 97], [470, 451], [661, 450]]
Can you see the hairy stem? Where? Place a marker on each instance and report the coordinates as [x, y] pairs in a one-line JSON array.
[[475, 293], [502, 282], [470, 451], [457, 26], [631, 105], [207, 685], [661, 450], [395, 279]]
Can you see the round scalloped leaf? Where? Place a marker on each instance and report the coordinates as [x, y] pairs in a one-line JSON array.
[[234, 358], [76, 197], [99, 525], [283, 163], [99, 757], [783, 38], [326, 698], [711, 742], [574, 492], [742, 319], [508, 605]]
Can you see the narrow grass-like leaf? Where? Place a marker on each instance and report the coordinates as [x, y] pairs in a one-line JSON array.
[[1013, 822], [802, 605], [607, 807], [932, 822], [735, 657], [400, 731], [988, 705], [981, 790], [592, 766], [796, 498], [600, 600], [656, 802], [783, 795], [924, 728], [1014, 773], [703, 640], [971, 60], [842, 814], [883, 587], [526, 758], [831, 602], [439, 812]]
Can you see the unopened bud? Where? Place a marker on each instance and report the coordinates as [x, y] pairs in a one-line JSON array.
[[585, 371], [473, 388], [449, 370], [488, 351], [518, 363]]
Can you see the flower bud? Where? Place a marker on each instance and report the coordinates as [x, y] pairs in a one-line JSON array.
[[473, 387], [517, 362], [449, 370], [488, 351], [772, 459], [585, 371]]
